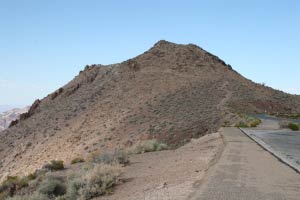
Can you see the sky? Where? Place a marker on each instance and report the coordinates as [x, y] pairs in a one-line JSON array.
[[44, 44]]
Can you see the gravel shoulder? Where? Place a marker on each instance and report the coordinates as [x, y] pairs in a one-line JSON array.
[[168, 175]]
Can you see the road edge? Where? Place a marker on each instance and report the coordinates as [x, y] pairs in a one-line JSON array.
[[268, 148]]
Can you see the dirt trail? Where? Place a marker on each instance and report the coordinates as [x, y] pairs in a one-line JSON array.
[[227, 97], [168, 175]]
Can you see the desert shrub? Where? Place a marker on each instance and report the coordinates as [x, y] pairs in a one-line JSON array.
[[121, 157], [149, 146], [242, 125], [293, 127], [74, 186], [8, 183], [52, 187], [255, 123], [12, 183], [117, 157], [77, 160], [99, 181], [55, 165]]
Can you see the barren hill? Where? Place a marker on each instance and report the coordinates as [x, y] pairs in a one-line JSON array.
[[8, 116], [171, 92]]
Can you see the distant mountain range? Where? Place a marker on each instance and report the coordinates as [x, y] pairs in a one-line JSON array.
[[8, 116], [4, 108]]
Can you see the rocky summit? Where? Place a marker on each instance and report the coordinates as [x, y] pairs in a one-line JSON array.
[[171, 92]]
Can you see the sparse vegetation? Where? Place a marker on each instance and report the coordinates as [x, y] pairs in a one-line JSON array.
[[289, 116], [77, 160], [12, 183], [55, 165], [117, 157], [293, 127], [149, 146], [52, 187], [242, 125], [248, 121], [255, 123], [92, 181], [98, 181]]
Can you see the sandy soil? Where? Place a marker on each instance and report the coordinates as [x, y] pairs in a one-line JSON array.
[[168, 175]]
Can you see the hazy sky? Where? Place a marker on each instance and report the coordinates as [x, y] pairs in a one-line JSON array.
[[44, 44]]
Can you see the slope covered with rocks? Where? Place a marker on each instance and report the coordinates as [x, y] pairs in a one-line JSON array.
[[171, 92]]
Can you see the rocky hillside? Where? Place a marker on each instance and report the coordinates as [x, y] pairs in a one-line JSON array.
[[171, 92], [8, 116]]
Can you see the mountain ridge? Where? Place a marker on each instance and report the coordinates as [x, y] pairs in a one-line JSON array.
[[171, 93]]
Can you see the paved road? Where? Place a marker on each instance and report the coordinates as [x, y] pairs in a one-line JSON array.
[[245, 171], [285, 143]]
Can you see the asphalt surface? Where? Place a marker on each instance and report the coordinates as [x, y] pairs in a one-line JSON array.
[[245, 171], [284, 142]]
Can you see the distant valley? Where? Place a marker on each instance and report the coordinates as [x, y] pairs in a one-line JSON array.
[[6, 117]]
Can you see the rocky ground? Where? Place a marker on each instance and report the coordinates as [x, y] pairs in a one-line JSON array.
[[171, 92]]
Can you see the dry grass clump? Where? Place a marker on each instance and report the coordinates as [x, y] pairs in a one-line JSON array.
[[55, 165], [98, 181], [148, 146], [248, 121], [117, 157], [77, 160]]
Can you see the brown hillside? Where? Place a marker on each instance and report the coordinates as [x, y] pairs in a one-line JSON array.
[[171, 92]]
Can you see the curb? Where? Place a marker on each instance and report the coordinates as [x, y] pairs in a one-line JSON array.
[[277, 154]]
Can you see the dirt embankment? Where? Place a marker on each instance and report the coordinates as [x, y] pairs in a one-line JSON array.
[[168, 175]]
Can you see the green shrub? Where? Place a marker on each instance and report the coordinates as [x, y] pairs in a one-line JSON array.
[[242, 125], [149, 146], [255, 123], [293, 127], [55, 165], [77, 160], [52, 187]]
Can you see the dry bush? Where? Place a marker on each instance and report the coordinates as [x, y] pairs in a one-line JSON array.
[[77, 160], [117, 157], [148, 146], [95, 182], [52, 187], [55, 165]]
